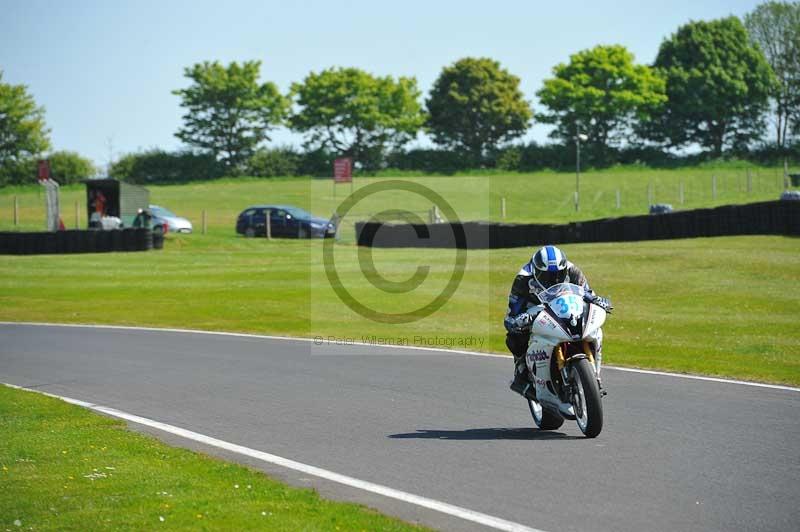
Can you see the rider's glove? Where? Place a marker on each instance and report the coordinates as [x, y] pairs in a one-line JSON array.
[[519, 323], [522, 322], [602, 302]]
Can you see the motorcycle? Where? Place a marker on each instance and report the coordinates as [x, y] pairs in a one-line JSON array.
[[564, 359]]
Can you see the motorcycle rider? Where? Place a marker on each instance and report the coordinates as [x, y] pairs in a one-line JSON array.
[[547, 267]]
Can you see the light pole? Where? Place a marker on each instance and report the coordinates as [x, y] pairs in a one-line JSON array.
[[578, 138]]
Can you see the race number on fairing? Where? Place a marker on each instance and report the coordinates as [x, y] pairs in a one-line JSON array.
[[567, 305]]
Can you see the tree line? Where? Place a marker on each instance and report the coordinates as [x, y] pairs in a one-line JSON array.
[[728, 86]]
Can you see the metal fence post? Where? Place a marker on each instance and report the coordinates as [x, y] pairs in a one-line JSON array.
[[77, 218], [205, 222], [785, 174], [619, 199], [16, 211], [503, 208], [269, 224], [335, 221]]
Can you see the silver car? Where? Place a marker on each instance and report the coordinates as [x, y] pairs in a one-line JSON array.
[[174, 223]]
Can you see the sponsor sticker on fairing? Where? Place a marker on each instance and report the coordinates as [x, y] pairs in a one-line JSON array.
[[539, 355], [544, 319]]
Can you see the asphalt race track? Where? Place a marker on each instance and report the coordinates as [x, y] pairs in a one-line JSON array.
[[674, 454]]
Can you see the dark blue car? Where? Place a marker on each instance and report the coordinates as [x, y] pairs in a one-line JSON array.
[[285, 222]]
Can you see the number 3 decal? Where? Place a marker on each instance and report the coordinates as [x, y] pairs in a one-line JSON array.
[[564, 307]]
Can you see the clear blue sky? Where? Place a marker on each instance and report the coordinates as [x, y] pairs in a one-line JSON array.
[[106, 69]]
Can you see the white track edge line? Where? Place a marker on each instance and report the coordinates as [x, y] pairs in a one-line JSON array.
[[392, 493], [248, 335], [363, 344], [701, 378]]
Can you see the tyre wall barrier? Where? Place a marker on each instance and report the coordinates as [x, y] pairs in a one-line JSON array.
[[158, 240], [766, 218], [74, 241]]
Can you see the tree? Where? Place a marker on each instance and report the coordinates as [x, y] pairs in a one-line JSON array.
[[352, 112], [775, 28], [70, 167], [717, 87], [23, 133], [600, 93], [228, 113], [475, 105]]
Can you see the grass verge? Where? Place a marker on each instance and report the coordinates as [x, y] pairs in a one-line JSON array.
[[65, 468], [722, 306]]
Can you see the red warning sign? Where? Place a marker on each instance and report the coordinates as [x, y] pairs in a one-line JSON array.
[[44, 169], [343, 170]]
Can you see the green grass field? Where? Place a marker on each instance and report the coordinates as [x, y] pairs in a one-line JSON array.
[[65, 468]]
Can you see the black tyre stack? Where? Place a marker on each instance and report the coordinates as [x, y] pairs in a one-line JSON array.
[[28, 243], [49, 243], [129, 239], [116, 240], [158, 239], [103, 241], [143, 239], [87, 241], [74, 241]]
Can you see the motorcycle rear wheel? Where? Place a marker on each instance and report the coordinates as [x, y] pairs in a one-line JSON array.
[[586, 398], [544, 420]]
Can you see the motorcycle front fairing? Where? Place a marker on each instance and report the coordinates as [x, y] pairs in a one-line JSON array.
[[566, 320]]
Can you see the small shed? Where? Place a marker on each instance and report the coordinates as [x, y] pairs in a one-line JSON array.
[[111, 197]]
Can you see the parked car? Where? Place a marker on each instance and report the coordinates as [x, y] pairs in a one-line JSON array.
[[285, 221], [790, 195], [173, 222], [660, 208]]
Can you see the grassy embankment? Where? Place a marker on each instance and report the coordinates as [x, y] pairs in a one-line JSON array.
[[65, 468], [545, 197]]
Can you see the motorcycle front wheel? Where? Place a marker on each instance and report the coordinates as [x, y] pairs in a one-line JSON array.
[[586, 398], [544, 419]]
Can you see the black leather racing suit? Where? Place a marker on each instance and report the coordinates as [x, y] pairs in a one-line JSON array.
[[523, 295]]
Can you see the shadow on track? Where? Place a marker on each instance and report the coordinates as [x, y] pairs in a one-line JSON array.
[[525, 433]]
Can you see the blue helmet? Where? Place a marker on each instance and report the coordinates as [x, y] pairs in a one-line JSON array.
[[549, 266]]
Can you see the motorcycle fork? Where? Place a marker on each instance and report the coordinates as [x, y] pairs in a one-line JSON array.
[[562, 348], [562, 382], [565, 387]]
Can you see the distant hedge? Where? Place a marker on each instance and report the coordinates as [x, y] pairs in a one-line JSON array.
[[65, 167], [159, 166]]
